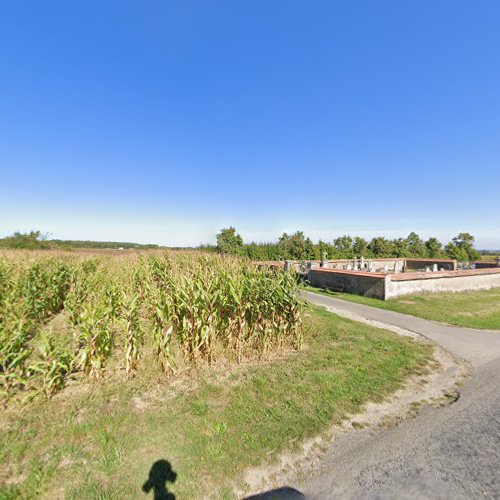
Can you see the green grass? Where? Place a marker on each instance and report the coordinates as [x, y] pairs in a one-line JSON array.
[[479, 309], [98, 441]]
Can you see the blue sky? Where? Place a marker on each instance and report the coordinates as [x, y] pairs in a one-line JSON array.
[[158, 121]]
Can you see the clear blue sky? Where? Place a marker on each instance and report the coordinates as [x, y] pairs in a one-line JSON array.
[[162, 121]]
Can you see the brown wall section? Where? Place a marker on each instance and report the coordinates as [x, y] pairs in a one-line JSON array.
[[487, 264], [367, 284]]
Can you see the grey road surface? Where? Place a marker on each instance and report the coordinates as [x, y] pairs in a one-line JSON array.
[[476, 346], [446, 452]]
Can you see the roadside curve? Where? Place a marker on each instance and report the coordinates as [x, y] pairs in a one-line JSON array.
[[444, 452], [477, 346]]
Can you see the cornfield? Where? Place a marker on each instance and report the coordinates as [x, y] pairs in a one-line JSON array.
[[127, 311]]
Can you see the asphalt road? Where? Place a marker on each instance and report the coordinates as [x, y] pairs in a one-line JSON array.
[[446, 452], [477, 346]]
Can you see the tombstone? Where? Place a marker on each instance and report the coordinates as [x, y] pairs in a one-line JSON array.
[[288, 265], [434, 268], [427, 269], [386, 268], [362, 263], [324, 262]]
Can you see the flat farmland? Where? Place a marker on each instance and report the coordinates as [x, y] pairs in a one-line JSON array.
[[112, 363]]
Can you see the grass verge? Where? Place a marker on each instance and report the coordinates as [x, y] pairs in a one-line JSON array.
[[99, 441], [479, 309]]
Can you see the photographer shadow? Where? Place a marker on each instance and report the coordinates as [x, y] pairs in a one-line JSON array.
[[160, 474]]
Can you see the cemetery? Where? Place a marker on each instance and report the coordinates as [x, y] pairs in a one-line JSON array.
[[392, 277]]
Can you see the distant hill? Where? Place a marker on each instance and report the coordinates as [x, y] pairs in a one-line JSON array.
[[36, 240], [101, 244]]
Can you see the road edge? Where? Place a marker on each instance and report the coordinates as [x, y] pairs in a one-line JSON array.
[[439, 386]]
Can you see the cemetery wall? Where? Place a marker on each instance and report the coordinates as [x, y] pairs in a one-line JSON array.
[[357, 282], [386, 286], [448, 281]]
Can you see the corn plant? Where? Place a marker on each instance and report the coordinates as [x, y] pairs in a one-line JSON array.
[[159, 309], [43, 287], [188, 304], [209, 299], [129, 316], [14, 351], [53, 366], [7, 281], [95, 337]]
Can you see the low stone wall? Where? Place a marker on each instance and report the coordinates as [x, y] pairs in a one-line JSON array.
[[360, 283], [385, 286], [447, 281], [487, 264]]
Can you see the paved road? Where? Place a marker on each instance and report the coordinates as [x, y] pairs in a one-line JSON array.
[[477, 346], [447, 452]]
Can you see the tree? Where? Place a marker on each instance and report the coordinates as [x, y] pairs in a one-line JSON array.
[[323, 248], [343, 245], [455, 252], [416, 247], [380, 247], [360, 247], [32, 240], [297, 246], [309, 249], [434, 248], [464, 247], [262, 251], [230, 242], [400, 248], [293, 246]]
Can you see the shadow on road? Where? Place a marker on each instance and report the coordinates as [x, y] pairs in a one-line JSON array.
[[284, 493]]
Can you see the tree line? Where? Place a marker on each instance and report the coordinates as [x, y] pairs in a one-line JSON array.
[[297, 246], [36, 240], [294, 246]]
